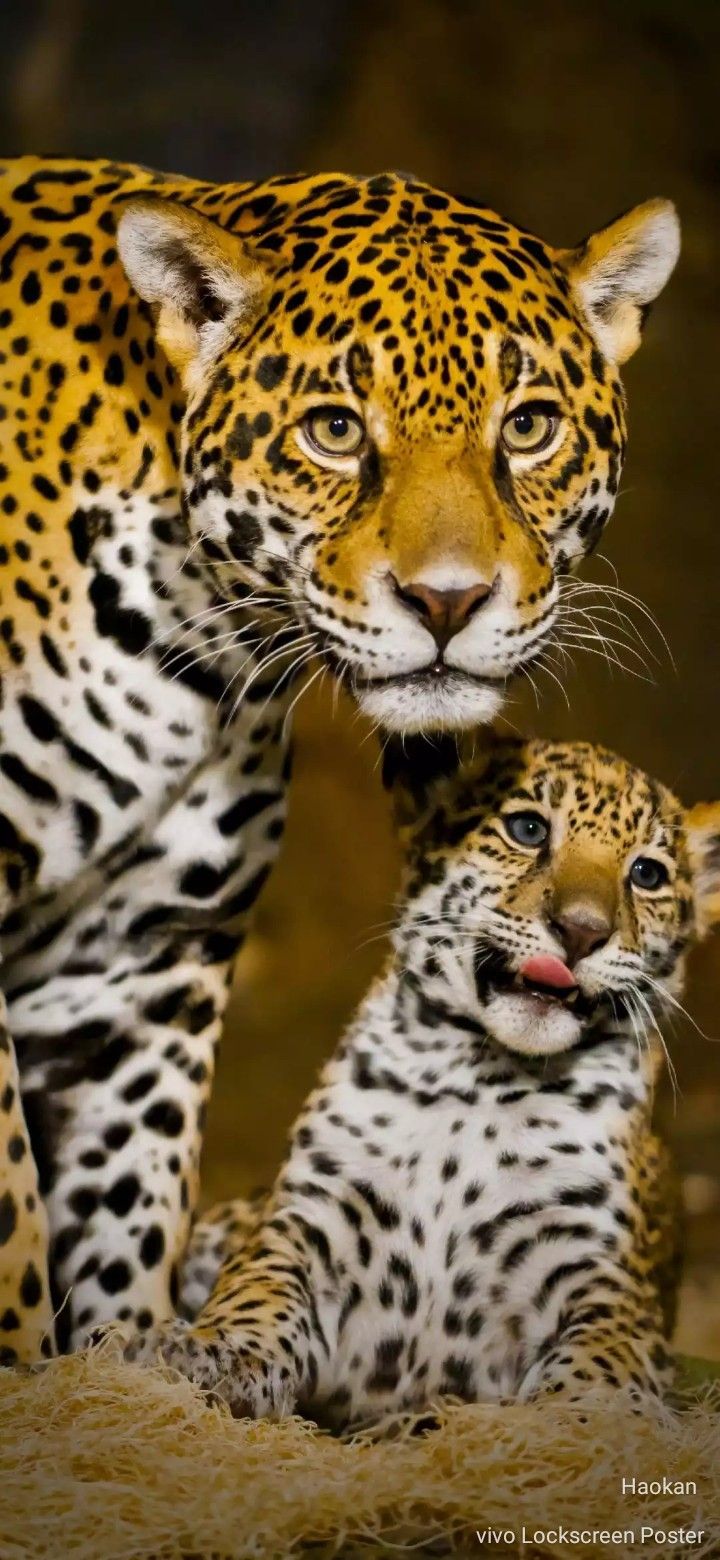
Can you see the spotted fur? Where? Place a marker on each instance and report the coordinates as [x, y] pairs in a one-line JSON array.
[[173, 551], [474, 1199], [26, 1318]]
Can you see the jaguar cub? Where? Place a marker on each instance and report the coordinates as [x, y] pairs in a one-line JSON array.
[[474, 1200]]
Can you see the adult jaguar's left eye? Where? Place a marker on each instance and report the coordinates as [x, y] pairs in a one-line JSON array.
[[529, 428], [527, 828], [648, 873], [335, 431]]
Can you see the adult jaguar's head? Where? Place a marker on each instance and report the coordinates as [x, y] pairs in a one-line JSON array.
[[403, 413], [550, 887]]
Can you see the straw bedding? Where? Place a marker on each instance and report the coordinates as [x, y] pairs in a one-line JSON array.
[[100, 1460]]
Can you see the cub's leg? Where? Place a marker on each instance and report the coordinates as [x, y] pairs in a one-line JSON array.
[[27, 1331], [270, 1323], [609, 1335], [224, 1230]]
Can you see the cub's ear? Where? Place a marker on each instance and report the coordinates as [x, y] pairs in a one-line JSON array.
[[201, 278], [617, 273], [703, 837], [423, 773], [414, 770]]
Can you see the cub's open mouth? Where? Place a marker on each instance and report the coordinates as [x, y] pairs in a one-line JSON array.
[[547, 977], [537, 988], [542, 978], [546, 984]]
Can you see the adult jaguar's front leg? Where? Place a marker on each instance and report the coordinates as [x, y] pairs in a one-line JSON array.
[[26, 1319], [117, 1114], [116, 1036]]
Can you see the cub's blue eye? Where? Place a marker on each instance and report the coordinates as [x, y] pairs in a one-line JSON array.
[[527, 828], [647, 873]]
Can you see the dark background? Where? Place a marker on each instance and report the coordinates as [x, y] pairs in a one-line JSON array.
[[560, 114]]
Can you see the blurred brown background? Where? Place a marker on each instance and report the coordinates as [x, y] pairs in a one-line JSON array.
[[561, 115]]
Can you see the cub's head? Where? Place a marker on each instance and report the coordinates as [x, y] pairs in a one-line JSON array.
[[404, 417], [550, 887]]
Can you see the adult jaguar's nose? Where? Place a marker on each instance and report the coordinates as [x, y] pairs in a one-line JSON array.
[[444, 612]]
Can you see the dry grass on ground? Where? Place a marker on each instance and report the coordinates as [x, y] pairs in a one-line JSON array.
[[105, 1461]]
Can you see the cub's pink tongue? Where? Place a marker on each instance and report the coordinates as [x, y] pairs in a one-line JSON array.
[[548, 971]]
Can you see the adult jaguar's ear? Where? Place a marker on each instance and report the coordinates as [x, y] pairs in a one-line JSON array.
[[702, 826], [617, 273], [201, 279]]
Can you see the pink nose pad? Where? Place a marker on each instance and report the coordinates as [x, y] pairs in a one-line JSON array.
[[444, 612], [548, 971]]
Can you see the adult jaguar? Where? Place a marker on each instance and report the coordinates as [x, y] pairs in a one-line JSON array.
[[317, 421]]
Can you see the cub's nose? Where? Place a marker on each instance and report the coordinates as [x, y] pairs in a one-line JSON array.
[[581, 933], [443, 612]]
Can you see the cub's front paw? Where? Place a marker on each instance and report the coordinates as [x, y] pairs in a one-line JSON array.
[[252, 1384]]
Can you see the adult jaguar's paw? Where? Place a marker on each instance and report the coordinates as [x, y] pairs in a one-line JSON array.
[[252, 1385]]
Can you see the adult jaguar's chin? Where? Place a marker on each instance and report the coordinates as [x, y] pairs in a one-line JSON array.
[[430, 700]]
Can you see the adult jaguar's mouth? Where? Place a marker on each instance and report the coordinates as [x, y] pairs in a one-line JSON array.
[[432, 676], [437, 696], [430, 698], [437, 677]]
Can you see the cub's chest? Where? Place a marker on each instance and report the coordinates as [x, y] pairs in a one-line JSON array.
[[456, 1198], [443, 1159]]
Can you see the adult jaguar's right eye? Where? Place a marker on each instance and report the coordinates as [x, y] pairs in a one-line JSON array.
[[335, 430], [529, 428], [528, 829]]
